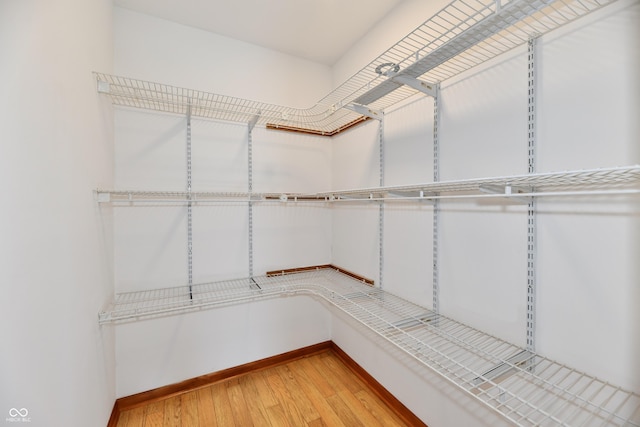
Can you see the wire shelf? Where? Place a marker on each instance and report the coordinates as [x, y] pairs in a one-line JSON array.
[[526, 388], [130, 197], [602, 181], [616, 180], [462, 35]]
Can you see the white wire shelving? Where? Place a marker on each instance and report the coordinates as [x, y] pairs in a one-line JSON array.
[[125, 197], [526, 388], [462, 35], [601, 181]]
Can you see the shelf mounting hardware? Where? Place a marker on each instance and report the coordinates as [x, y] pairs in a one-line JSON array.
[[422, 86], [254, 120], [103, 87], [365, 111]]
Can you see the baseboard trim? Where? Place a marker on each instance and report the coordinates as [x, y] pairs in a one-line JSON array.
[[140, 399]]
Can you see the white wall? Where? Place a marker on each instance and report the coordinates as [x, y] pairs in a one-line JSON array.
[[150, 244], [55, 251], [163, 351], [157, 50]]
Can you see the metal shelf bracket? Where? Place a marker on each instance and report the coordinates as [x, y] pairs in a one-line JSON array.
[[429, 89], [365, 111]]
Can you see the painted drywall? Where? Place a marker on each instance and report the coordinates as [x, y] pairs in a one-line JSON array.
[[153, 49], [151, 241], [167, 350], [57, 365]]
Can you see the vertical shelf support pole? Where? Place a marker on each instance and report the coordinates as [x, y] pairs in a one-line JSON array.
[[436, 204], [531, 208], [381, 205], [189, 207], [250, 127]]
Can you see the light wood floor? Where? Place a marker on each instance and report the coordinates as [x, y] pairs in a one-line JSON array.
[[317, 390]]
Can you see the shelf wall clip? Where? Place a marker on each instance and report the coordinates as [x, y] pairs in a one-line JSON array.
[[103, 196], [508, 190], [365, 111], [104, 87]]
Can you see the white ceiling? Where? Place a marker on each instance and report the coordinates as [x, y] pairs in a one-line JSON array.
[[317, 30]]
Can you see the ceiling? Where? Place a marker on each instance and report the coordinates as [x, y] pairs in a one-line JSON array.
[[317, 30]]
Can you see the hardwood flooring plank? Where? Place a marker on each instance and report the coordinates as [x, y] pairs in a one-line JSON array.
[[315, 395], [221, 405], [360, 411], [238, 404], [284, 398], [154, 414], [304, 405], [123, 419], [318, 423], [254, 401], [264, 390], [378, 409], [349, 380], [206, 409], [172, 412], [307, 367], [135, 417], [277, 417], [189, 409], [330, 376], [341, 408]]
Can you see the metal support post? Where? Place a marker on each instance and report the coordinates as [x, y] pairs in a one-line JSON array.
[[250, 190], [381, 205], [189, 207], [436, 203], [531, 209]]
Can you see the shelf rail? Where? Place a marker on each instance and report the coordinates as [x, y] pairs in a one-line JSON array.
[[601, 181], [526, 388], [460, 36]]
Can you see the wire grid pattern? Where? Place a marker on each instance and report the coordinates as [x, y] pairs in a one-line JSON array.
[[523, 387], [625, 177], [460, 36], [153, 196]]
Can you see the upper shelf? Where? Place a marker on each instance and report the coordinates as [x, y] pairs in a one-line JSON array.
[[616, 180], [460, 36]]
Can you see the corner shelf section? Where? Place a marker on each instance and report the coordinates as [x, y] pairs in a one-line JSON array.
[[525, 388], [461, 36]]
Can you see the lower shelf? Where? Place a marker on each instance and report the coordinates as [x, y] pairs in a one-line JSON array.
[[525, 388]]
